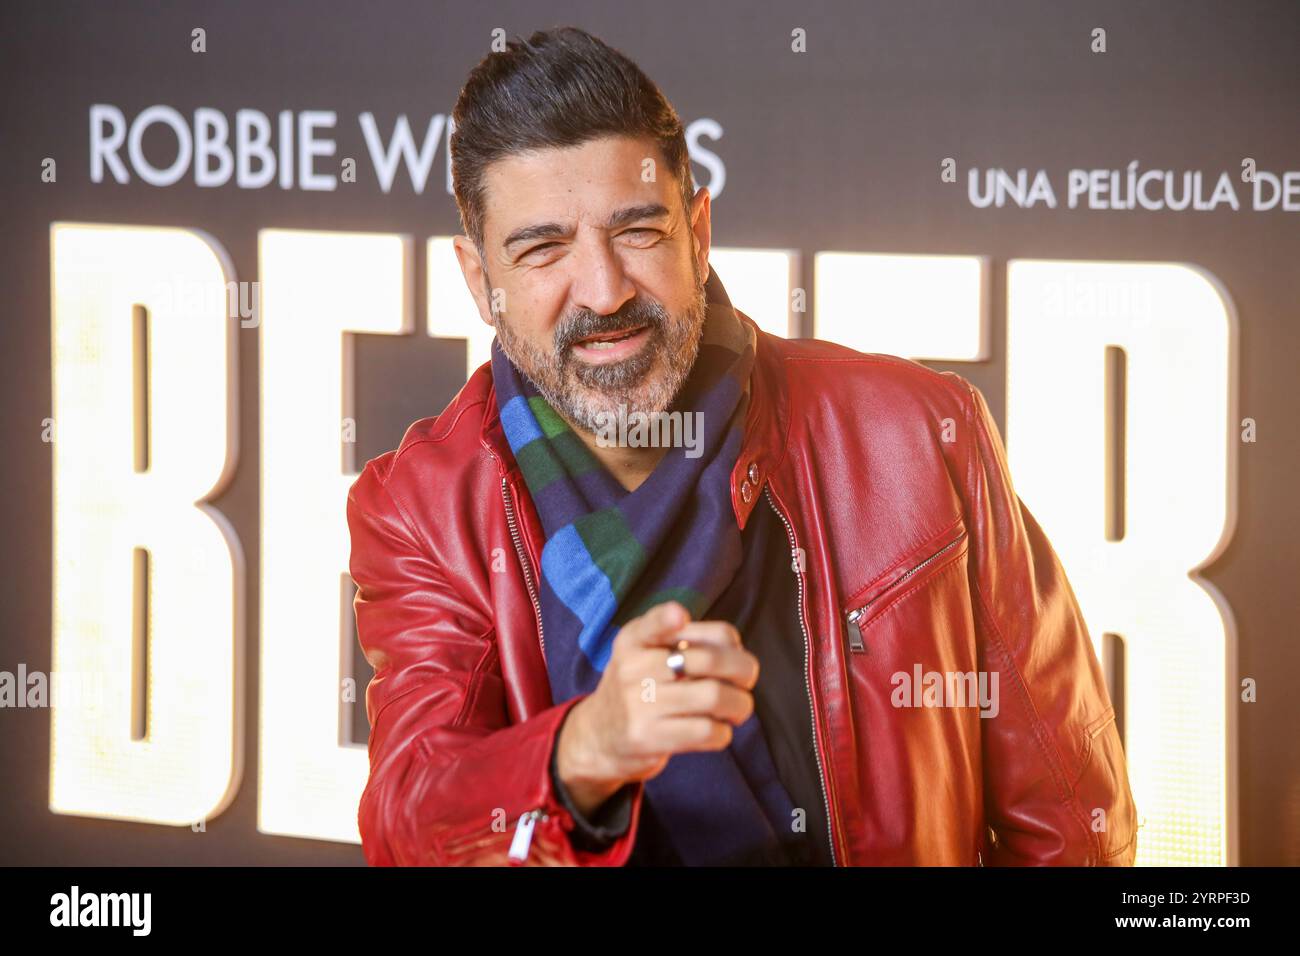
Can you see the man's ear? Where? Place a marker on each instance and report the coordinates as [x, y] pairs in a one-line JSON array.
[[702, 230], [471, 267]]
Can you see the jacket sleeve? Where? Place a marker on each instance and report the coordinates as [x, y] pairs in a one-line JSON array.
[[451, 781], [1056, 785], [609, 822]]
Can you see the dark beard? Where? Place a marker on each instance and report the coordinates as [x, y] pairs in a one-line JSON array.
[[618, 376], [677, 339]]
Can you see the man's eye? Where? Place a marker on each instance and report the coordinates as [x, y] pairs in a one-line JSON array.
[[544, 245], [641, 233]]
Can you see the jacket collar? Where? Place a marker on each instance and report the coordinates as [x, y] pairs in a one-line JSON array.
[[766, 426], [761, 450]]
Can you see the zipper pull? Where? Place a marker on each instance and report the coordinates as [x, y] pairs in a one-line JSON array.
[[523, 838], [856, 643]]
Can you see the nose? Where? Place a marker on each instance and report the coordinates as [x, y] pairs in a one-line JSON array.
[[599, 283]]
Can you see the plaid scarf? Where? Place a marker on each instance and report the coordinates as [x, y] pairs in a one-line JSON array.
[[610, 555]]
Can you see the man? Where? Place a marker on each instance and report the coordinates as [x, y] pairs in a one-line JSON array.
[[592, 649]]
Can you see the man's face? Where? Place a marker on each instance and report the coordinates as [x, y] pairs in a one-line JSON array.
[[593, 275]]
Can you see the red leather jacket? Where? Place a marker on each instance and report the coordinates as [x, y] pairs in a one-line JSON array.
[[915, 551]]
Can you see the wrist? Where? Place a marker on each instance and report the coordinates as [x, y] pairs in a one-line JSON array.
[[582, 775]]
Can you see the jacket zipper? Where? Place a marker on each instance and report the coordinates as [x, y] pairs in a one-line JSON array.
[[807, 650], [523, 560], [523, 838], [856, 641], [520, 843]]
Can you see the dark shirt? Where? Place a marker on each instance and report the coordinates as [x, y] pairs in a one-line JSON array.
[[767, 618]]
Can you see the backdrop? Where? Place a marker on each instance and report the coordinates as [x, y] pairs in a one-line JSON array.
[[1105, 196]]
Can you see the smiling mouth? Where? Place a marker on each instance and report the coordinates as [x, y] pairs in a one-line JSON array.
[[607, 340]]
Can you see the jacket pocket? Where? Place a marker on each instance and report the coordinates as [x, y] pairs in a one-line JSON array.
[[906, 576], [484, 843], [1102, 789]]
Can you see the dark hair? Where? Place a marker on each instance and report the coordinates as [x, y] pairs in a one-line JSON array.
[[558, 88]]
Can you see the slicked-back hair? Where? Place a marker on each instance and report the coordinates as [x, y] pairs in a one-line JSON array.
[[561, 87]]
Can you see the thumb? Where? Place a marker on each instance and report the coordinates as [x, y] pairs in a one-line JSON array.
[[658, 626]]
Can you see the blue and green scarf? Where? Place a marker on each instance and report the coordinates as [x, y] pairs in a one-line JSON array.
[[610, 555]]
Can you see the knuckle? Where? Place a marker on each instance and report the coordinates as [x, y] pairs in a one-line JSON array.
[[714, 694], [747, 707], [694, 733], [626, 635], [690, 731], [708, 732], [636, 738], [737, 706]]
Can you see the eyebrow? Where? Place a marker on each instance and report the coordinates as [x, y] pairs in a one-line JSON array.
[[551, 230]]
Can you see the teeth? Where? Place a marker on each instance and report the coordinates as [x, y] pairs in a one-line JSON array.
[[608, 343]]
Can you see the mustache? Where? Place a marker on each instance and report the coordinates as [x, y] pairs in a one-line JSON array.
[[581, 323]]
